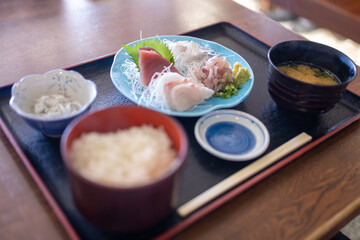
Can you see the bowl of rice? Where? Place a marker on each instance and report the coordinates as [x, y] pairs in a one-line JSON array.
[[123, 164]]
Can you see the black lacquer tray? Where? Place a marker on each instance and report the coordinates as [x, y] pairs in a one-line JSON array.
[[202, 170]]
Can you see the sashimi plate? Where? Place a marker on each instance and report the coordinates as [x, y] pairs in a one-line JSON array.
[[124, 85]]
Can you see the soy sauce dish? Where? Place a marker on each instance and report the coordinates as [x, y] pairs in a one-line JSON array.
[[232, 135]]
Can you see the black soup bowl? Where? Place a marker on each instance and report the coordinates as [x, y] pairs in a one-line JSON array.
[[296, 96]]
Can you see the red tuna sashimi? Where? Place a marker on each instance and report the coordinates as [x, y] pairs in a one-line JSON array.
[[151, 62]]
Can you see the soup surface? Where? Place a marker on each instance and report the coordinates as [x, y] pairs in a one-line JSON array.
[[309, 73]]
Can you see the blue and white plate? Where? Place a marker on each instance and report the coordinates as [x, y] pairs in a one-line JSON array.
[[232, 135], [120, 80]]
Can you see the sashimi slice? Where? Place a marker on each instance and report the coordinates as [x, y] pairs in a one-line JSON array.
[[188, 55], [154, 94], [151, 62], [214, 73], [172, 91], [184, 96], [169, 86]]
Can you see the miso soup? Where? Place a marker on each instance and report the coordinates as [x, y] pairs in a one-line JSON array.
[[309, 73]]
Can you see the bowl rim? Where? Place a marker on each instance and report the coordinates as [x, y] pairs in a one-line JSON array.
[[312, 43], [40, 118], [175, 166]]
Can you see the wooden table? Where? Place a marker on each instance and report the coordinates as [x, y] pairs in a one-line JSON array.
[[314, 196], [342, 17]]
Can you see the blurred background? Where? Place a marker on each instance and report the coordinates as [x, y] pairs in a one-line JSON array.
[[312, 32], [305, 27]]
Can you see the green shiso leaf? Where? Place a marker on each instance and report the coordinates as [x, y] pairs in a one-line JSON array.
[[159, 46]]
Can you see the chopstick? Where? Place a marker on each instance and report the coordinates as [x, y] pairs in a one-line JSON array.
[[243, 174]]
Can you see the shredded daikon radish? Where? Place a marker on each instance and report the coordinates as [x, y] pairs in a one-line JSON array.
[[188, 55], [132, 75]]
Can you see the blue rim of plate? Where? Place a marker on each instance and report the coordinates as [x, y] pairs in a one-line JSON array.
[[232, 135], [120, 81]]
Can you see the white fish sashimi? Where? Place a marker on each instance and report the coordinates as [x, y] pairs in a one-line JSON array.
[[184, 96], [170, 90], [168, 86], [154, 95], [188, 55]]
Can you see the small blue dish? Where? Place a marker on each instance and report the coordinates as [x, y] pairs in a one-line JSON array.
[[232, 135]]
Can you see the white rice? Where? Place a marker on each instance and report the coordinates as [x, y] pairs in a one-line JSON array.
[[125, 158]]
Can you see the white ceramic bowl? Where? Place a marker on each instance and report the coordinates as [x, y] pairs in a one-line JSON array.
[[69, 83], [232, 135]]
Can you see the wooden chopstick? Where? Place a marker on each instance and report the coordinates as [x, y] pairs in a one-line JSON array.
[[243, 174]]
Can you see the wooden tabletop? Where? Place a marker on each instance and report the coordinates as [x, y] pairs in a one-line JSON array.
[[312, 197], [342, 17]]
